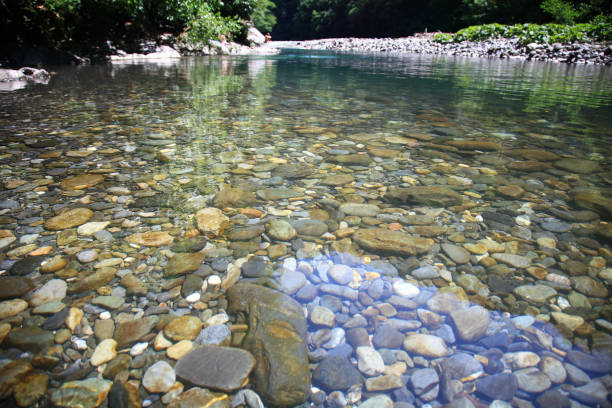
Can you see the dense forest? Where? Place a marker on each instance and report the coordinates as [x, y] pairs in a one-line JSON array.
[[76, 22], [306, 19]]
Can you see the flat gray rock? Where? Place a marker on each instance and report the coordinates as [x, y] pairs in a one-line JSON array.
[[219, 368]]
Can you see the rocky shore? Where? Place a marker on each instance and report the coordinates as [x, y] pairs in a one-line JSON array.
[[578, 53]]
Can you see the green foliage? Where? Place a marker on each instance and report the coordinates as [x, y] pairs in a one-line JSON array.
[[263, 17], [562, 12], [206, 25], [599, 29], [443, 38]]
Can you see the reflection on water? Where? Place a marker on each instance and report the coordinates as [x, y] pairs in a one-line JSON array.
[[463, 200]]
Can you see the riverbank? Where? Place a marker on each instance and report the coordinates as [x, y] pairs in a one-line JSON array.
[[579, 53]]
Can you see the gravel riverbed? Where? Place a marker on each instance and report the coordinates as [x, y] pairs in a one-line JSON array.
[[579, 53]]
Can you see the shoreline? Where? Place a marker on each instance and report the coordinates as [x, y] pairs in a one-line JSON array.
[[165, 47], [502, 48]]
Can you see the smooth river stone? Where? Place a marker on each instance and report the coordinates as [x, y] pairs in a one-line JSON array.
[[211, 221], [11, 374], [52, 290], [30, 389], [93, 281], [474, 145], [425, 195], [535, 293], [69, 219], [425, 345], [516, 261], [234, 197], [151, 238], [276, 338], [81, 182], [182, 263], [105, 351], [578, 166], [337, 179], [183, 328], [471, 323], [132, 331], [498, 386], [532, 380], [91, 392], [14, 286], [281, 230], [90, 228], [456, 253], [159, 378], [392, 242], [220, 368], [360, 210], [277, 193], [12, 307], [31, 339]]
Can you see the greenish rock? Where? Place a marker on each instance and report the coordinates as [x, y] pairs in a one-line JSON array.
[[277, 193], [337, 179], [379, 401], [234, 197], [483, 145], [578, 166], [593, 199], [360, 210], [276, 338], [355, 159], [32, 339], [292, 170], [25, 266], [245, 233], [313, 228], [48, 308], [516, 261], [93, 281], [69, 219], [108, 302], [231, 157], [538, 294], [128, 333], [243, 248], [182, 263], [15, 286], [384, 241], [194, 244], [87, 393], [116, 365], [191, 284], [589, 286], [11, 374], [456, 253], [424, 195], [281, 230]]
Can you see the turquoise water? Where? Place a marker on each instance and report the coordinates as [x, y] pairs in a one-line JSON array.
[[519, 150]]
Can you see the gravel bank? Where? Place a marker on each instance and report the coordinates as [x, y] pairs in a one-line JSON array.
[[578, 53]]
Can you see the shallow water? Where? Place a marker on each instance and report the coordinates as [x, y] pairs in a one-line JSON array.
[[524, 146]]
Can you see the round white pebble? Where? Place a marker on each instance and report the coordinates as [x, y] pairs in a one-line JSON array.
[[138, 348]]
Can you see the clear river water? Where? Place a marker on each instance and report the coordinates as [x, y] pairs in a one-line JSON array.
[[442, 223]]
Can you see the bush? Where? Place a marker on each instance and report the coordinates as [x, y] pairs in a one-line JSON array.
[[207, 25], [600, 29], [443, 38]]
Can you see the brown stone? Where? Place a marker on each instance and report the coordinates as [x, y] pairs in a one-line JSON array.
[[81, 182]]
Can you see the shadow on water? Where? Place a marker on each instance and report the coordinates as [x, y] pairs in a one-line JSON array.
[[432, 345]]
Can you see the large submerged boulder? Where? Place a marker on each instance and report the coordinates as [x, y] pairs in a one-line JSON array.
[[276, 338]]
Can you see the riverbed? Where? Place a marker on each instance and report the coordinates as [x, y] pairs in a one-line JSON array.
[[307, 229]]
